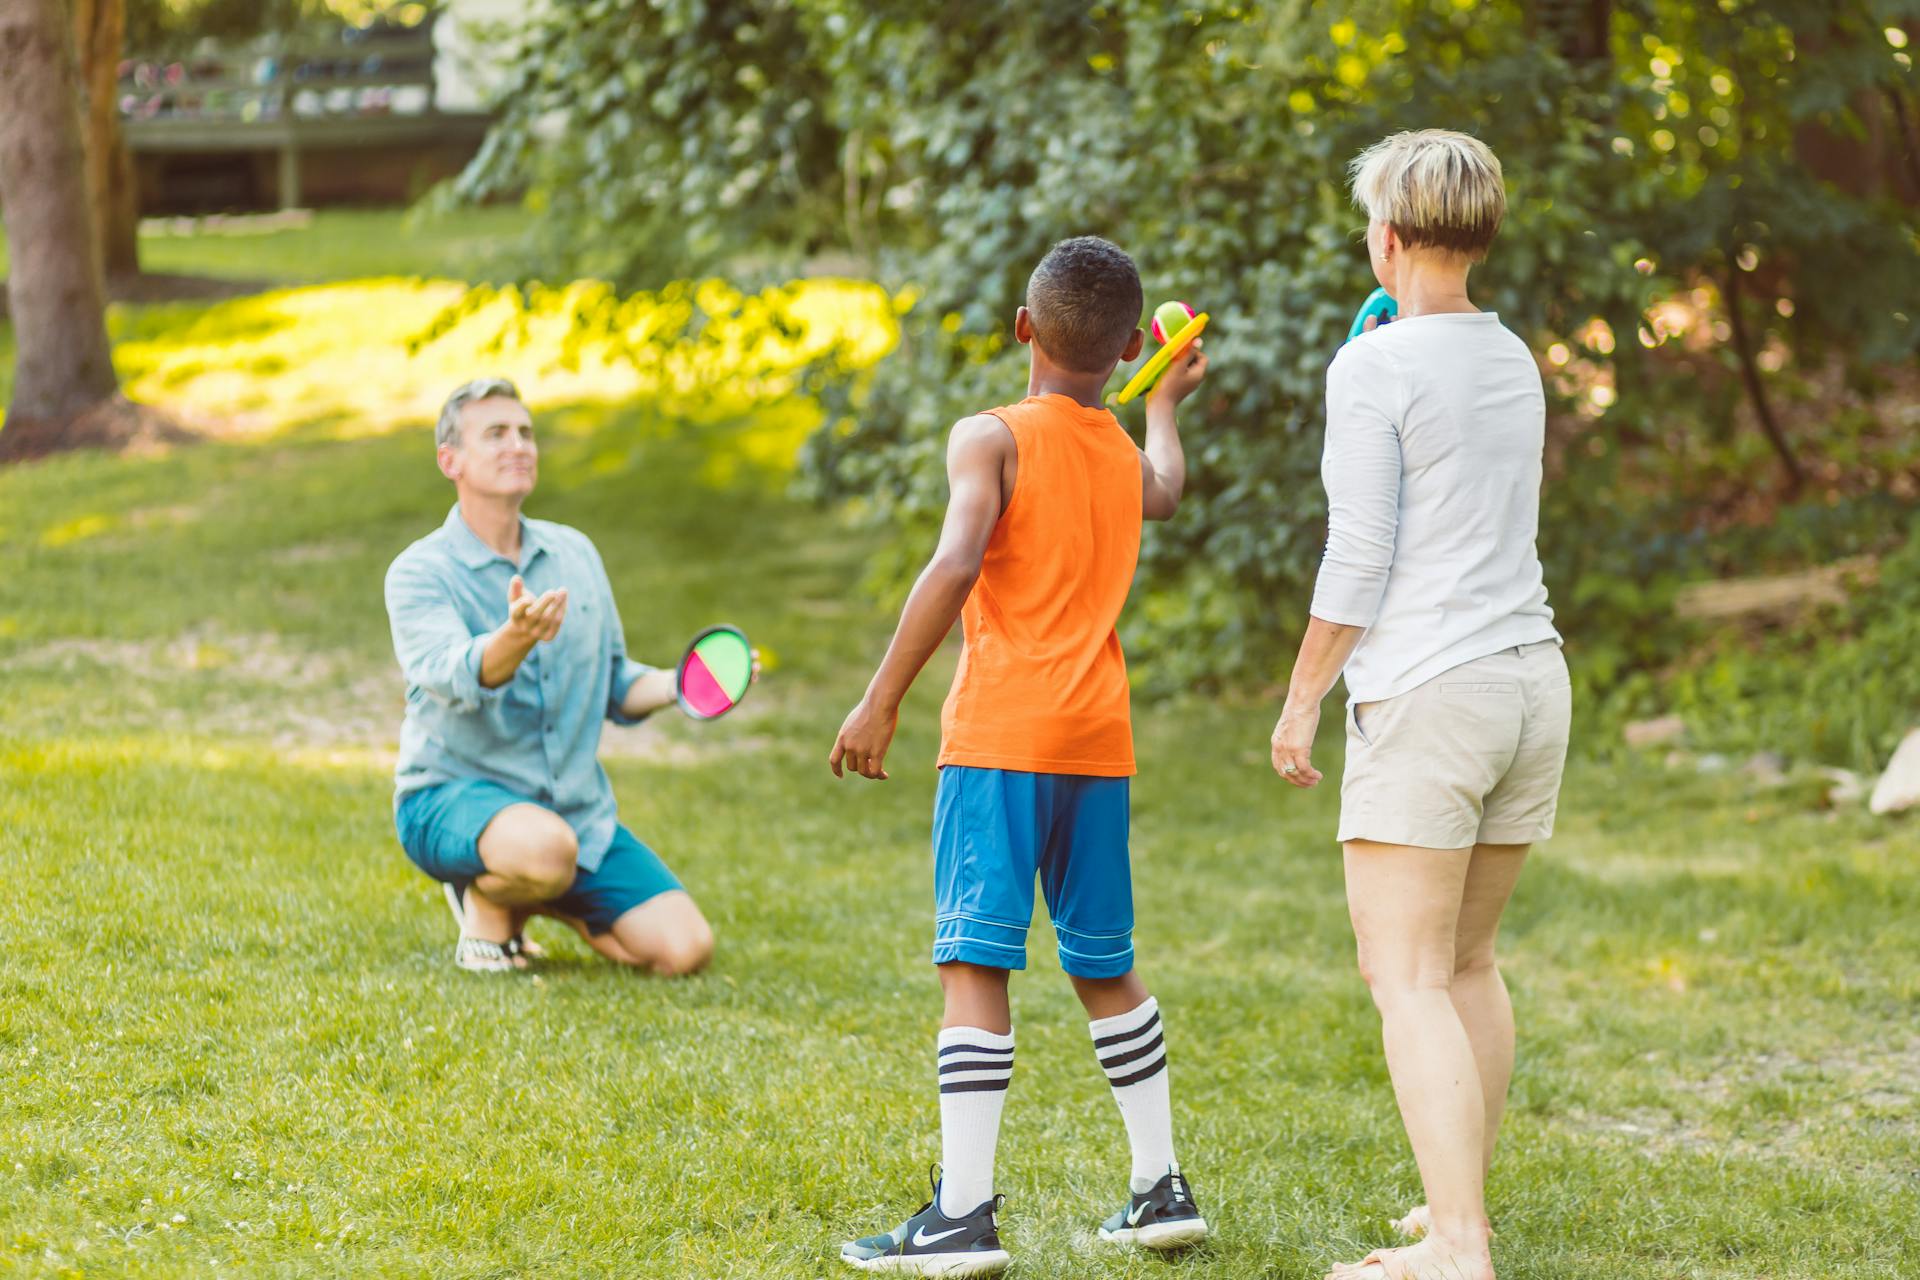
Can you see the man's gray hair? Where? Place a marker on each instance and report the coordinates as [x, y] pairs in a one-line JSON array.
[[447, 430]]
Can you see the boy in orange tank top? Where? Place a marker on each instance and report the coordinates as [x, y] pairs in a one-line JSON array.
[[1038, 551]]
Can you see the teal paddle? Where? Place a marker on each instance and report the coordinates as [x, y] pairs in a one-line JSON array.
[[1379, 303]]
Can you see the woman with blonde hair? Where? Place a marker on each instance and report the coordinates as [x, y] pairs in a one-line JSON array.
[[1430, 600]]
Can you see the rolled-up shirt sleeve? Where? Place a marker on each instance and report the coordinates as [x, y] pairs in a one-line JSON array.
[[437, 651], [625, 672], [1360, 467], [625, 669]]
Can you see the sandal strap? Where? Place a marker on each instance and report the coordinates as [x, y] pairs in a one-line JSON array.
[[482, 953]]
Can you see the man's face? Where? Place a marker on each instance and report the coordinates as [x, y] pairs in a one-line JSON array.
[[497, 456]]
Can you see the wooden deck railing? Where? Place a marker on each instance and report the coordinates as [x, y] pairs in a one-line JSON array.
[[372, 91]]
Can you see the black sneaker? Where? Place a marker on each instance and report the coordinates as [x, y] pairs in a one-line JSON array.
[[932, 1244], [1163, 1217]]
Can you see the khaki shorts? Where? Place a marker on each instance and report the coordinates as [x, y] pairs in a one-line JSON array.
[[1473, 756]]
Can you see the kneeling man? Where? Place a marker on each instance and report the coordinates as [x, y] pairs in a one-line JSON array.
[[514, 656]]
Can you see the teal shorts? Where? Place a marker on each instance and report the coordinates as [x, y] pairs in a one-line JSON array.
[[440, 829]]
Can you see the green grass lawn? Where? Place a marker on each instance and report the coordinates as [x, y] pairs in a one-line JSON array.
[[232, 1041], [468, 244]]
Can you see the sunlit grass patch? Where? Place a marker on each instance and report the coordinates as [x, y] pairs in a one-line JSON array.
[[366, 356]]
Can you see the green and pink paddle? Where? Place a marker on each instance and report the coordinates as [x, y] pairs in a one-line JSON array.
[[716, 673]]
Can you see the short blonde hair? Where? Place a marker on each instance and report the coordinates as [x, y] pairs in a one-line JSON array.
[[1434, 187]]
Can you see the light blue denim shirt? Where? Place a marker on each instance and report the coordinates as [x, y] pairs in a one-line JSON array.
[[539, 733]]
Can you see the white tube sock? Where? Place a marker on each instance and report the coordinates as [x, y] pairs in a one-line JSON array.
[[1134, 1055], [975, 1069]]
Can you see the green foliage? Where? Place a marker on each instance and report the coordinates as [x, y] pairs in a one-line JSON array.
[[176, 27], [1210, 138], [1233, 199], [661, 136]]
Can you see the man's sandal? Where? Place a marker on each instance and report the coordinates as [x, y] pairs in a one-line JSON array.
[[519, 945], [482, 955]]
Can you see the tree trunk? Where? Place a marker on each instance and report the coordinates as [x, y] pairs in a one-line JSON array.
[[1879, 161], [1580, 30], [54, 291], [99, 30], [65, 393]]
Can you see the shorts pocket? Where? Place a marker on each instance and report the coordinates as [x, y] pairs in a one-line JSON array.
[[1479, 686], [1353, 722]]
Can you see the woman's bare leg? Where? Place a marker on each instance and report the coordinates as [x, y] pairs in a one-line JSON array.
[[1405, 903], [1480, 993]]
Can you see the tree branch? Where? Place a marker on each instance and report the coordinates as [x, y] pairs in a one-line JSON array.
[[1756, 390]]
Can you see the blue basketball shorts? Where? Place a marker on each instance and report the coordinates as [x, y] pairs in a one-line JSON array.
[[995, 831]]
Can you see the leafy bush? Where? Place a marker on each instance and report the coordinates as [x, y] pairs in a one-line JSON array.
[[1689, 161]]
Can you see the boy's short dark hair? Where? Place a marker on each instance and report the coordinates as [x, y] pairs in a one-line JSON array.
[[1084, 300]]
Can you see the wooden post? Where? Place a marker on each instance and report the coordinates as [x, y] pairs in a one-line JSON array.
[[290, 175], [289, 185]]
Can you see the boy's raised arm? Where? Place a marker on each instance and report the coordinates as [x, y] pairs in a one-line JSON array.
[[977, 455], [1163, 463]]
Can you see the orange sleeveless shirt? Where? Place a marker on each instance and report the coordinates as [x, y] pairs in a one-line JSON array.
[[1042, 684]]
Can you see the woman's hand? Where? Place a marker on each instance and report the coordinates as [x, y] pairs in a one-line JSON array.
[[1293, 745]]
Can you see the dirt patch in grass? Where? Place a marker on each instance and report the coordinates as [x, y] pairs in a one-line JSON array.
[[257, 686], [660, 745], [229, 685], [1727, 1109]]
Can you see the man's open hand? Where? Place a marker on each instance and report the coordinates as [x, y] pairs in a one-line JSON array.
[[863, 742], [531, 618]]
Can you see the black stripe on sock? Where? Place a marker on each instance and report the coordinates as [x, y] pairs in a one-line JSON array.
[[967, 1065], [976, 1086], [1133, 1055], [996, 1082], [1144, 1073], [975, 1048], [1118, 1036]]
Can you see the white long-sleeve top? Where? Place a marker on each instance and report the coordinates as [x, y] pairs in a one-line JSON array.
[[1435, 429]]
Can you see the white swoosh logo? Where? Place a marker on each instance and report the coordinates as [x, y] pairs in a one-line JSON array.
[[921, 1239], [1139, 1210]]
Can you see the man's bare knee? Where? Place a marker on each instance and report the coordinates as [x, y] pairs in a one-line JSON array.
[[666, 935], [685, 951], [532, 850]]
